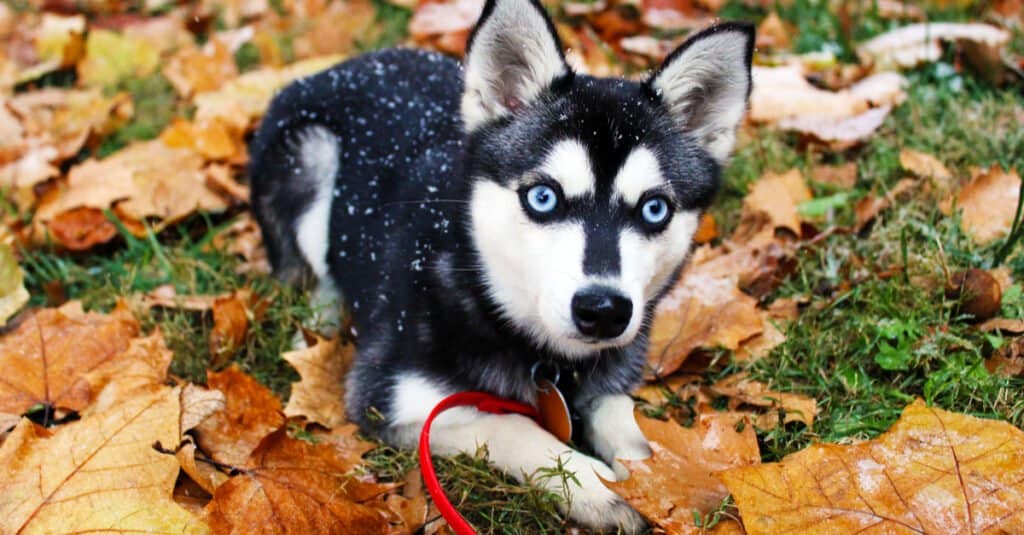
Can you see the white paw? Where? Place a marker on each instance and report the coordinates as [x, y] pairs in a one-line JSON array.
[[592, 504]]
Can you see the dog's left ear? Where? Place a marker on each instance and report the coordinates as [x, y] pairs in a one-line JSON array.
[[705, 83], [513, 55]]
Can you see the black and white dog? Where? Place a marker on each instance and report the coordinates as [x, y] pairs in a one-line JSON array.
[[480, 219]]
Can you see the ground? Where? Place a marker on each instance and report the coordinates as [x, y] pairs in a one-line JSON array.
[[855, 309]]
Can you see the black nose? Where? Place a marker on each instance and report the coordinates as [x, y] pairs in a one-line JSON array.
[[601, 312]]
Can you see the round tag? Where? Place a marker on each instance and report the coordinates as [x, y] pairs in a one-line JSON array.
[[554, 412]]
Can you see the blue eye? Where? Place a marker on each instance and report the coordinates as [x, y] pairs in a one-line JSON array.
[[655, 211], [541, 199]]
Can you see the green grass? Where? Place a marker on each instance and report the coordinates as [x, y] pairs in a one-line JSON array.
[[155, 105]]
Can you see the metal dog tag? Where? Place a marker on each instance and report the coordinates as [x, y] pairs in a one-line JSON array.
[[554, 412]]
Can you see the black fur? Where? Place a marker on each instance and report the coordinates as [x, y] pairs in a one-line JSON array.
[[400, 248]]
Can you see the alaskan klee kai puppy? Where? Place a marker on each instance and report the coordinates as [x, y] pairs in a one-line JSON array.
[[480, 219]]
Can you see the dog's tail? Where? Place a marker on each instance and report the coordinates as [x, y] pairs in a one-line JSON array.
[[293, 170]]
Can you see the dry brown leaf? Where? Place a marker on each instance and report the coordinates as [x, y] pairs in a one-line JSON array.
[[251, 412], [1015, 326], [707, 229], [924, 165], [774, 197], [320, 394], [705, 309], [291, 486], [919, 43], [337, 29], [839, 133], [679, 477], [783, 93], [98, 474], [55, 42], [988, 204], [214, 138], [869, 207], [244, 99], [166, 296], [346, 442], [147, 181], [932, 472], [193, 70], [411, 506], [744, 391], [243, 238], [202, 473], [13, 294], [1008, 360], [674, 15], [230, 325], [773, 33], [761, 345], [842, 176], [47, 357]]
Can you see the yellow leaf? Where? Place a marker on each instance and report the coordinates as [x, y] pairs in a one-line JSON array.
[[932, 472], [13, 294], [320, 395], [111, 57], [989, 203], [678, 478], [98, 474]]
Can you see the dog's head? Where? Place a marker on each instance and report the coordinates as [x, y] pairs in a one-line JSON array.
[[586, 192]]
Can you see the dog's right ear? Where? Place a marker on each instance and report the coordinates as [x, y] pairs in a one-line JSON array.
[[513, 55]]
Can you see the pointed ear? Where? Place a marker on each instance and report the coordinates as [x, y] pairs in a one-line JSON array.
[[705, 84], [513, 55]]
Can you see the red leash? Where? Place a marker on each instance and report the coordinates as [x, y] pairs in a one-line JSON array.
[[483, 402]]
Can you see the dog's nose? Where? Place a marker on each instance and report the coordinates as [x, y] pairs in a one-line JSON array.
[[600, 312]]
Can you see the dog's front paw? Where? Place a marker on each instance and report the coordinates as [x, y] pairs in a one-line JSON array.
[[593, 504]]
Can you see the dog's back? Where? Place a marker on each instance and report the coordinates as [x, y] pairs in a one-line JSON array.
[[387, 123]]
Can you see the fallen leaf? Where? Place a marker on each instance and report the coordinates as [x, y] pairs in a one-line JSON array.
[[773, 33], [774, 199], [320, 394], [215, 138], [291, 486], [871, 206], [337, 29], [198, 70], [100, 473], [761, 345], [707, 229], [988, 204], [1015, 326], [924, 165], [244, 99], [784, 93], [47, 356], [243, 238], [920, 43], [251, 412], [673, 15], [232, 316], [839, 132], [111, 57], [932, 472], [445, 24], [742, 390], [147, 181], [13, 294], [843, 176], [678, 478], [166, 296], [202, 473], [56, 43], [703, 310]]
